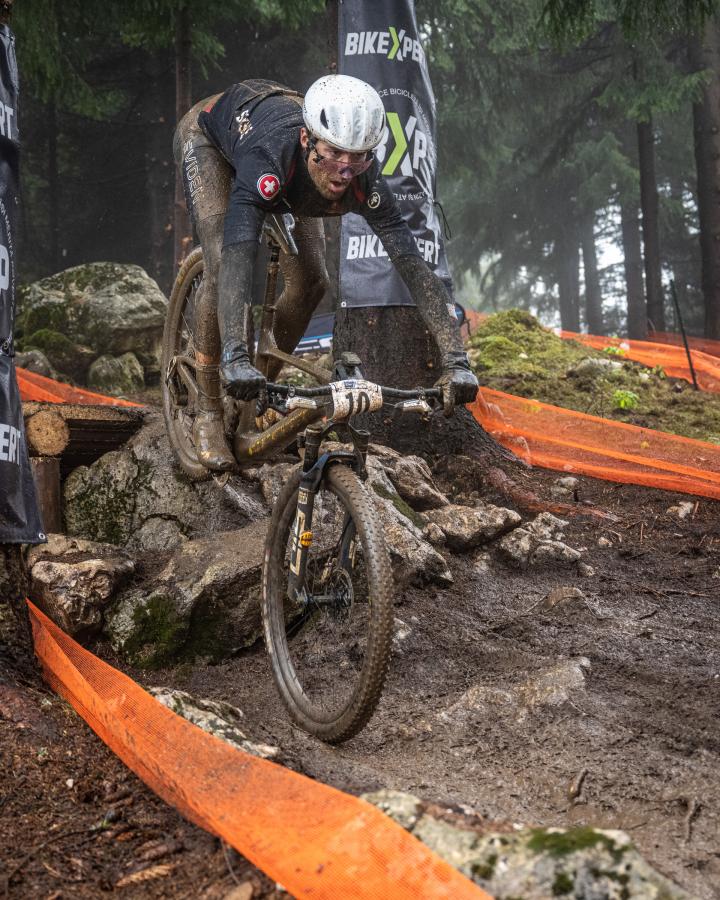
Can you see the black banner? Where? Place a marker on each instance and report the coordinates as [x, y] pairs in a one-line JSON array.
[[378, 42], [19, 517]]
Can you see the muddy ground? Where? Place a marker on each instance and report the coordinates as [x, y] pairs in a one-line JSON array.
[[494, 701]]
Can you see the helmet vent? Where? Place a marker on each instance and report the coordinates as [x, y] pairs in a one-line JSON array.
[[323, 119]]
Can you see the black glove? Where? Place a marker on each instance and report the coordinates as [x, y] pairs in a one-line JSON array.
[[458, 382], [242, 381]]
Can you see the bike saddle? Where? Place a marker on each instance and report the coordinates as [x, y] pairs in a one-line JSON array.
[[279, 227]]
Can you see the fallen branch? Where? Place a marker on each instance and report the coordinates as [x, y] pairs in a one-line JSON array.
[[693, 810]]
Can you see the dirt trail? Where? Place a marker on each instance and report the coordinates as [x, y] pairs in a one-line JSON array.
[[500, 704], [497, 699]]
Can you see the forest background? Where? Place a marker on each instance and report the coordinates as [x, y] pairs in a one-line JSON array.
[[579, 142]]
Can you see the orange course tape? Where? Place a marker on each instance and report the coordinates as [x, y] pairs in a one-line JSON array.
[[37, 387], [570, 441], [672, 359], [315, 840]]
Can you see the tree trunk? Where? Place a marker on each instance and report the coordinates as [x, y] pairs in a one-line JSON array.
[[593, 294], [396, 349], [183, 102], [636, 310], [157, 105], [567, 272], [705, 54], [53, 177], [14, 585], [650, 225]]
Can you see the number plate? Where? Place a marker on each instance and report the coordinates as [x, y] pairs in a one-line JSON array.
[[352, 397]]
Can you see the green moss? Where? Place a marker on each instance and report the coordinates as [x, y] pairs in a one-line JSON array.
[[562, 885], [400, 505], [486, 869], [158, 633], [548, 374], [563, 843]]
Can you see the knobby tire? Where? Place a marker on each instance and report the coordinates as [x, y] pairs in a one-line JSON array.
[[341, 724]]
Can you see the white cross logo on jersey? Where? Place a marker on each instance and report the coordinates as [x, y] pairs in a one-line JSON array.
[[268, 185]]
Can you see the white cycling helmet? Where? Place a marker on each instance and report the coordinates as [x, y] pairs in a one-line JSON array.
[[345, 112]]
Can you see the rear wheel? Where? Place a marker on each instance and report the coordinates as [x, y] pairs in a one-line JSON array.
[[330, 650], [178, 372]]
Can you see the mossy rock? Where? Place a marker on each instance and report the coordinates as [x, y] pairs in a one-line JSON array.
[[116, 375], [111, 307], [63, 354]]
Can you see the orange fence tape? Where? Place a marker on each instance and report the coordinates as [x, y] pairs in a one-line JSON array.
[[315, 840], [570, 441], [38, 387], [705, 345], [671, 358]]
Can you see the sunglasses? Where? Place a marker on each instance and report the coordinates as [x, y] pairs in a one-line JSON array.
[[346, 169]]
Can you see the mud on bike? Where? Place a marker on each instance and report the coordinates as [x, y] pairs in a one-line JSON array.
[[327, 587]]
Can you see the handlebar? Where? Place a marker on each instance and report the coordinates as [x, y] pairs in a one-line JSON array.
[[285, 390]]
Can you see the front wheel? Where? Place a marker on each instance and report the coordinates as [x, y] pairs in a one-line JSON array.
[[331, 647]]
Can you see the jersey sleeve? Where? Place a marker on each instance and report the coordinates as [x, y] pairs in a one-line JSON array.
[[382, 213], [258, 187]]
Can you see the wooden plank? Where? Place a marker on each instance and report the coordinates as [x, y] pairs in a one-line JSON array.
[[46, 475]]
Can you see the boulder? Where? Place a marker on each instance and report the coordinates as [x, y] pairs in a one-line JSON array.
[[73, 581], [35, 361], [532, 863], [205, 602], [116, 375], [71, 359], [125, 497], [111, 307], [215, 717], [412, 557], [466, 527]]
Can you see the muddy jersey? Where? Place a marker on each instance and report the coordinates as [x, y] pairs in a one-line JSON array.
[[256, 126]]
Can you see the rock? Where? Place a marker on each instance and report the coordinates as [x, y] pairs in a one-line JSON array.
[[401, 807], [466, 527], [553, 552], [523, 549], [204, 603], [482, 563], [243, 891], [116, 375], [122, 497], [35, 361], [585, 570], [547, 526], [551, 686], [434, 533], [532, 863], [604, 542], [413, 481], [595, 366], [401, 632], [72, 359], [73, 581], [272, 477], [111, 307], [218, 718], [683, 510], [566, 486], [413, 558]]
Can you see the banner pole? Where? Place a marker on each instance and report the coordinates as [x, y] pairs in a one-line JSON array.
[[682, 332]]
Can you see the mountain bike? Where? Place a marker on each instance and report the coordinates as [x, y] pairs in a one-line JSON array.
[[327, 590]]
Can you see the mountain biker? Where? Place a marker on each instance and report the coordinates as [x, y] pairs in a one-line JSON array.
[[258, 148]]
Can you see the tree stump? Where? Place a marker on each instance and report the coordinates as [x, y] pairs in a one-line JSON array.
[[397, 350]]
